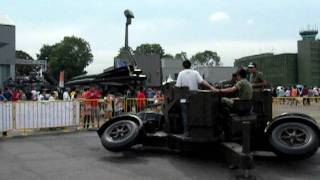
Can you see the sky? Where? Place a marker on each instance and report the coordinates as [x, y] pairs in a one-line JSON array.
[[232, 28]]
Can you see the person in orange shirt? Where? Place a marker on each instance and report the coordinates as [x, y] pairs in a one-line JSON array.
[[294, 94]]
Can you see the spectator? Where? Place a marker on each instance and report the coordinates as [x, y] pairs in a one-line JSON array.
[[118, 105], [73, 94], [34, 94], [316, 94], [86, 108], [7, 94], [150, 93], [52, 96], [158, 98], [41, 96], [141, 100], [294, 95], [310, 94], [287, 93], [28, 94], [16, 95], [304, 95], [281, 95], [2, 98], [47, 94], [23, 96], [94, 95], [66, 96], [109, 107]]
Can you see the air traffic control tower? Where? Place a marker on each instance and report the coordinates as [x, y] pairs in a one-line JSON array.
[[309, 58], [7, 49]]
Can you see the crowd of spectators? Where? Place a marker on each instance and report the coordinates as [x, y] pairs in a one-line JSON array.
[[292, 94]]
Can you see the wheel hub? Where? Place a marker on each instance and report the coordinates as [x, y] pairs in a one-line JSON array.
[[119, 132], [294, 136]]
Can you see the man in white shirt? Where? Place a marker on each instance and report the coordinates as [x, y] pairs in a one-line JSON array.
[[189, 78], [66, 96]]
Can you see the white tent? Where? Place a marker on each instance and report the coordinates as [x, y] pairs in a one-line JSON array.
[[169, 80]]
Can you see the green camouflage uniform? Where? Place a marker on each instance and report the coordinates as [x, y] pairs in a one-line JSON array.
[[256, 77], [245, 92]]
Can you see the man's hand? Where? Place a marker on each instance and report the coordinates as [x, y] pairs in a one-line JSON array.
[[215, 90]]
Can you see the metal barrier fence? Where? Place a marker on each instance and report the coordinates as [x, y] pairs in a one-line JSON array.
[[83, 114], [45, 114], [296, 100], [93, 113], [6, 117]]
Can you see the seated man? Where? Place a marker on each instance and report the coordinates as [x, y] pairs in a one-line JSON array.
[[243, 86]]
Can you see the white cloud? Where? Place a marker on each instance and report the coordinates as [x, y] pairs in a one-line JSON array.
[[250, 21], [219, 16], [103, 58]]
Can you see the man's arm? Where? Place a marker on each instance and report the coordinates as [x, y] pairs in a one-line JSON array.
[[262, 84], [228, 90], [205, 83]]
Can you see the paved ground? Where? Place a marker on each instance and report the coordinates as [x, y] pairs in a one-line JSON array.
[[80, 156], [312, 110]]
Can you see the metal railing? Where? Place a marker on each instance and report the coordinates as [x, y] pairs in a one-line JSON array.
[[296, 100], [32, 115], [84, 114], [93, 113]]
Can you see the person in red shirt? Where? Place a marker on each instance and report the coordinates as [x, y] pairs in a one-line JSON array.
[[16, 95], [141, 100], [95, 95]]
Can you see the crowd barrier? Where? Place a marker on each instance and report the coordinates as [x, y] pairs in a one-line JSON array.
[[29, 115], [296, 100], [46, 114], [93, 113], [6, 115], [83, 114]]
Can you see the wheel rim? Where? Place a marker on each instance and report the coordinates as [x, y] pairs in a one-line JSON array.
[[294, 136], [120, 131]]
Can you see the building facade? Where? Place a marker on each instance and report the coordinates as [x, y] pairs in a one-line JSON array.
[[7, 49], [280, 69], [309, 58], [216, 74], [171, 68], [290, 68]]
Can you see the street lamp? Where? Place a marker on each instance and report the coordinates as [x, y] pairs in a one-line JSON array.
[[129, 15]]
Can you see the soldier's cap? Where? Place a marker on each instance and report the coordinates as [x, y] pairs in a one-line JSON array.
[[252, 65]]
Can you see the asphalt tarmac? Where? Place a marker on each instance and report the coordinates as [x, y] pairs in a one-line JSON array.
[[80, 156]]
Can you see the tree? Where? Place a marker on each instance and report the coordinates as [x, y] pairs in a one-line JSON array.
[[182, 56], [72, 55], [123, 52], [169, 56], [45, 52], [206, 58], [149, 49], [24, 70]]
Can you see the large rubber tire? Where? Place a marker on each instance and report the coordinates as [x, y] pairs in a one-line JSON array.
[[294, 140], [120, 135]]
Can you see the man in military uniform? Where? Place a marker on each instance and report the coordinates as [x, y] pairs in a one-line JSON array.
[[256, 77], [243, 87]]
